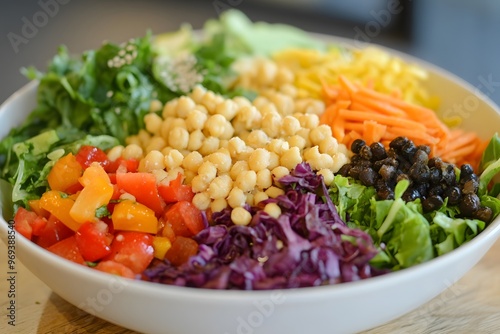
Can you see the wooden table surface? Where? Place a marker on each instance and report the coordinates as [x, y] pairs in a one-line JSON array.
[[472, 305]]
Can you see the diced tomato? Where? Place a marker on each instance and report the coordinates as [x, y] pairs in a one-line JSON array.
[[115, 268], [185, 218], [88, 154], [130, 165], [53, 232], [93, 240], [28, 223], [143, 187], [165, 229], [175, 191], [68, 249], [132, 249], [182, 249]]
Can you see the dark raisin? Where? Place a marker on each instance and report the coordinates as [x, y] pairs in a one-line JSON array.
[[434, 175], [391, 153], [424, 148], [365, 152], [448, 175], [409, 150], [357, 145], [410, 195], [466, 170], [398, 143], [432, 203], [469, 204], [378, 151], [368, 176], [387, 172], [344, 170], [436, 190], [402, 176], [420, 157], [355, 170], [453, 194], [422, 188], [470, 187], [484, 213], [387, 161], [385, 193], [419, 172], [435, 162]]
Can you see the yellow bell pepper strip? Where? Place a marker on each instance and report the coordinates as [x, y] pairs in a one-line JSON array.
[[132, 216], [65, 173], [161, 245], [59, 205], [97, 191]]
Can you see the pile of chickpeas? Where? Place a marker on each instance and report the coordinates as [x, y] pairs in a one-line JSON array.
[[232, 151]]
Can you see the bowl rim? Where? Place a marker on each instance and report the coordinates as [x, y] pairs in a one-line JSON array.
[[492, 231]]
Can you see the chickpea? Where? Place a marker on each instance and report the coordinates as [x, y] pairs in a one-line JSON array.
[[220, 187]]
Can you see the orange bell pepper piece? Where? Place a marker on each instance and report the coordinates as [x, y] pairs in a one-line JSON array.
[[59, 205], [65, 173], [133, 216], [161, 245], [97, 191]]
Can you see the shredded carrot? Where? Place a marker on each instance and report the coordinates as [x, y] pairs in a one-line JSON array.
[[354, 111]]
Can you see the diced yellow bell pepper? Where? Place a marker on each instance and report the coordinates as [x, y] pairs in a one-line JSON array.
[[57, 204], [97, 191], [161, 245], [132, 216]]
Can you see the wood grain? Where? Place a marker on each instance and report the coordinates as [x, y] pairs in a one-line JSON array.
[[472, 305]]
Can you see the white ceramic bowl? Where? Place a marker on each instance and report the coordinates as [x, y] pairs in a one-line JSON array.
[[344, 308]]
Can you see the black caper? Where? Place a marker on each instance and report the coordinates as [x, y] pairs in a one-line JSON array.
[[398, 143], [469, 204], [344, 170], [368, 176], [484, 213], [357, 145], [422, 188], [365, 152], [432, 203], [453, 194], [378, 151], [434, 175]]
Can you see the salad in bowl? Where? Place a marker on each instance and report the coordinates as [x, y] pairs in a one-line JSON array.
[[248, 157]]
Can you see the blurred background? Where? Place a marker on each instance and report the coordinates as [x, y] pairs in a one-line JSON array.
[[458, 35]]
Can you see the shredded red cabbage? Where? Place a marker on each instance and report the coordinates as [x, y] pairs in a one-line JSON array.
[[307, 245]]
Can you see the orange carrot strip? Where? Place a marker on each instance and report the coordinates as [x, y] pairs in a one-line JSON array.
[[386, 120]]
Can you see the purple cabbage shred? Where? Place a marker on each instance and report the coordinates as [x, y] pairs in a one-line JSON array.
[[307, 245]]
